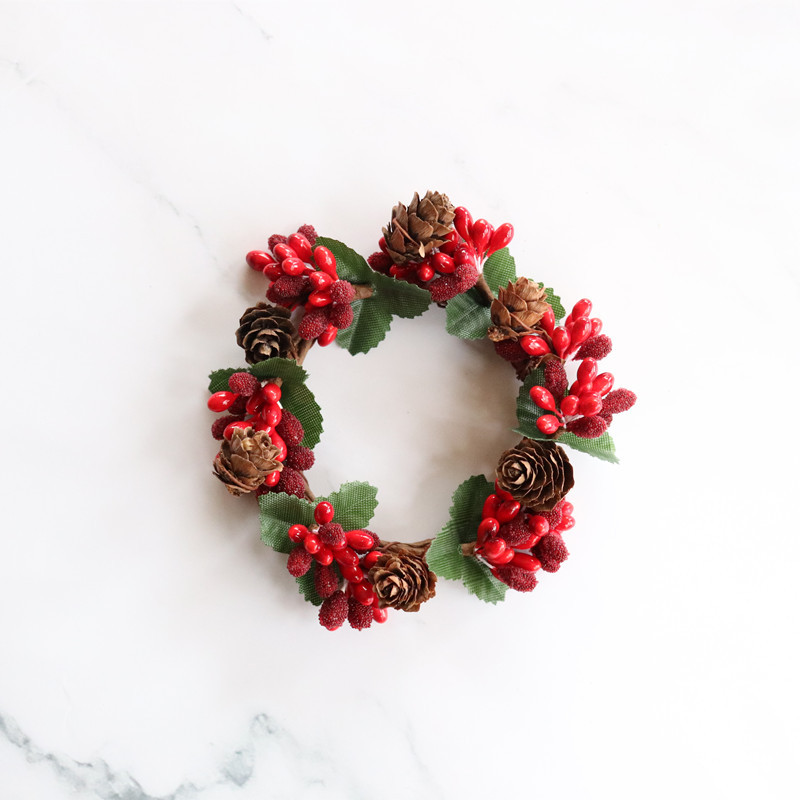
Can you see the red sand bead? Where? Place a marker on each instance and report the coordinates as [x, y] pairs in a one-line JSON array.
[[333, 611], [326, 581], [290, 428], [597, 347], [244, 384], [618, 401], [299, 562], [359, 616]]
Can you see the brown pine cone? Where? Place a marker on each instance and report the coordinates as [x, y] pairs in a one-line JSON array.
[[266, 331], [416, 229], [517, 310], [401, 576], [243, 462], [536, 474]]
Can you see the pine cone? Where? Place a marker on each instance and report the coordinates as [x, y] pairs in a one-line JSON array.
[[243, 462], [415, 230], [266, 332], [517, 310], [401, 576], [537, 474]]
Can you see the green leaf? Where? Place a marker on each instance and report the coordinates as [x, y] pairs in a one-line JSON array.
[[499, 269], [278, 511], [305, 584], [354, 504], [445, 556], [555, 303], [372, 316], [528, 412], [467, 316], [296, 397]]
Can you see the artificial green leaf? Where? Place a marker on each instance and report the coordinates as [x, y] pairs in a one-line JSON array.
[[354, 504], [499, 269], [528, 412], [350, 266], [368, 329], [467, 316], [296, 397], [279, 511], [445, 556], [555, 303], [305, 584], [399, 297]]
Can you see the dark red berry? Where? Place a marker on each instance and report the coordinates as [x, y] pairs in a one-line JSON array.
[[313, 324], [342, 292], [332, 534], [291, 482], [290, 429], [244, 383], [587, 427], [551, 551], [300, 458], [309, 232], [510, 350], [276, 238], [289, 288], [218, 428], [553, 517], [333, 611], [516, 531], [380, 262], [618, 401], [443, 289], [299, 561], [326, 580], [359, 616], [341, 315], [555, 378], [597, 347], [519, 580]]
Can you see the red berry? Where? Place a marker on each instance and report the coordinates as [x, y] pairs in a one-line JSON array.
[[444, 264], [551, 552], [597, 347], [326, 581], [333, 611], [587, 427], [534, 345], [516, 531], [276, 239], [220, 424], [463, 223], [543, 398], [548, 424], [332, 534], [275, 438], [342, 292], [581, 309], [290, 429], [555, 378], [566, 508], [490, 505], [312, 543], [299, 561], [597, 326], [293, 267], [569, 405], [371, 558], [380, 262], [501, 237], [309, 233], [380, 615], [346, 556], [300, 458], [518, 579], [320, 280], [221, 401], [360, 540], [511, 351], [508, 510], [228, 432], [298, 532], [541, 527], [548, 321], [258, 259], [364, 593], [587, 371], [244, 384], [352, 574], [590, 404], [327, 336], [580, 332], [325, 260], [291, 482], [324, 556], [313, 324], [319, 299], [480, 232], [272, 272], [323, 512], [618, 401], [301, 246], [527, 562], [283, 251], [567, 523], [561, 341], [487, 528], [602, 383], [425, 272], [341, 316], [289, 288], [359, 616]]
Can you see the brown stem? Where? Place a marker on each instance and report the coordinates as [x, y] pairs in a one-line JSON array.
[[484, 290], [303, 348], [363, 290], [308, 494]]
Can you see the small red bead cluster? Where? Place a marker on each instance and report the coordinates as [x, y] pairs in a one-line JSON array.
[[517, 542], [302, 275], [453, 267], [337, 555], [585, 409], [249, 404]]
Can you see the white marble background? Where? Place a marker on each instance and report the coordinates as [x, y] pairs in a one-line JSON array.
[[150, 646]]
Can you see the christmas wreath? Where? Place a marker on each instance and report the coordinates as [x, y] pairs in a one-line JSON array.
[[500, 533]]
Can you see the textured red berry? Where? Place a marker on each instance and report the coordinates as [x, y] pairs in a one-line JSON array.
[[309, 232], [342, 292], [510, 350], [244, 383], [326, 580], [323, 512], [555, 378], [552, 517], [333, 611], [341, 315], [467, 276], [597, 347], [289, 288], [218, 428], [290, 429], [299, 561], [276, 239], [516, 531], [618, 401], [291, 482], [300, 458], [587, 427], [443, 289], [380, 262], [519, 580], [551, 551], [359, 616], [332, 534], [313, 324]]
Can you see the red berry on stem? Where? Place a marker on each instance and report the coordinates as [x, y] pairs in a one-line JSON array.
[[501, 237], [526, 562], [300, 245], [590, 404], [371, 558], [364, 593], [548, 424], [425, 272], [587, 371], [569, 405], [490, 505], [324, 556], [561, 341], [548, 321], [327, 336], [271, 392], [480, 232], [581, 331], [292, 266], [346, 556], [312, 543], [320, 298], [320, 280], [352, 574], [541, 526], [602, 383], [360, 539], [325, 260], [582, 309], [444, 264], [534, 345], [507, 511], [228, 432], [488, 527], [280, 444], [221, 401], [543, 398], [323, 512], [380, 615], [597, 326], [462, 223], [283, 251], [493, 549], [258, 259], [298, 532]]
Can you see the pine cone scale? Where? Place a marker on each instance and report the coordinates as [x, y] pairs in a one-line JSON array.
[[536, 474], [415, 230], [244, 462], [401, 577], [266, 331]]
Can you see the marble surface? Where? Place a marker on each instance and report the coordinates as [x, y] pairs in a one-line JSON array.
[[647, 155]]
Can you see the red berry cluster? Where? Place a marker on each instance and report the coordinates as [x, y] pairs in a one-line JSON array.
[[249, 404], [516, 542], [454, 267], [585, 408], [302, 275], [337, 556]]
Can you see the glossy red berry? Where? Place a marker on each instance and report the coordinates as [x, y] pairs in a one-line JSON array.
[[444, 264], [352, 574], [581, 309], [324, 556], [569, 405], [272, 272], [370, 559], [490, 505], [258, 259], [603, 383], [493, 549], [487, 528], [323, 512], [581, 331], [534, 345], [597, 326], [548, 321], [320, 280], [327, 336], [301, 246], [548, 424], [325, 260], [364, 593], [280, 444], [320, 298], [527, 562], [541, 527], [587, 371], [561, 341], [272, 479], [590, 404], [283, 251], [463, 223], [292, 266], [480, 232], [360, 540], [312, 543], [501, 237], [346, 555], [380, 615], [543, 398], [507, 511], [228, 432], [298, 532], [221, 401]]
